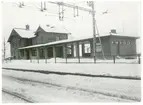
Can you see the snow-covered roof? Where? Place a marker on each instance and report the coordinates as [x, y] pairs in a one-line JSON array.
[[54, 29], [118, 34], [56, 42], [25, 33]]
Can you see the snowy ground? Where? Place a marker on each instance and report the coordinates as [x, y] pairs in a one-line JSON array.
[[57, 88], [6, 98], [131, 70], [70, 88]]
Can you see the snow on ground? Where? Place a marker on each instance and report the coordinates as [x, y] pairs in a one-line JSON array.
[[133, 70], [47, 93], [127, 89], [6, 98]]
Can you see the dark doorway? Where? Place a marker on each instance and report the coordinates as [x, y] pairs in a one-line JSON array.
[[59, 51], [27, 54], [50, 52]]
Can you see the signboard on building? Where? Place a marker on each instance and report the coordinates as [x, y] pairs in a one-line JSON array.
[[98, 47]]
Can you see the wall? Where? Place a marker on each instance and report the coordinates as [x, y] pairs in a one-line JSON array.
[[123, 49], [106, 45], [44, 37], [15, 43]]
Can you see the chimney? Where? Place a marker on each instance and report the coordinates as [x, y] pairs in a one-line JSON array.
[[113, 31], [27, 27]]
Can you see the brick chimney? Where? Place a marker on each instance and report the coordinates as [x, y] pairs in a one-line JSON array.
[[113, 31], [27, 27]]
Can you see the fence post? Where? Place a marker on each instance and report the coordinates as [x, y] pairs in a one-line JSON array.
[[30, 60], [114, 59], [37, 60], [38, 56], [54, 53], [65, 51], [139, 59]]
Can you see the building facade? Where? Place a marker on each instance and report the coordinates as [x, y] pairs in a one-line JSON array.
[[48, 42]]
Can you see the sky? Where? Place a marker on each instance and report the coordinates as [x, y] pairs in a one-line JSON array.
[[124, 16]]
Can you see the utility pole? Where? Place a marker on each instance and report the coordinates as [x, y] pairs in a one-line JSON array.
[[45, 6], [42, 6], [92, 11], [94, 31]]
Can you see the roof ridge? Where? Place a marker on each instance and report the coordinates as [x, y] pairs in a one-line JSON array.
[[53, 28], [24, 29], [20, 28]]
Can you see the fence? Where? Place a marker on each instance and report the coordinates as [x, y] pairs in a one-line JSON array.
[[108, 59], [136, 59]]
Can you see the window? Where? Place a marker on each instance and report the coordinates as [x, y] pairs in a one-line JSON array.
[[124, 42], [113, 42], [129, 42], [69, 51], [57, 38], [116, 42], [121, 42], [87, 48], [34, 52]]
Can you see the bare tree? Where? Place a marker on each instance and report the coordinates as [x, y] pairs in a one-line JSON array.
[[4, 49]]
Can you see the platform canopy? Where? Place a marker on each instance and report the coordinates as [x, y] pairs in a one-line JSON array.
[[72, 40]]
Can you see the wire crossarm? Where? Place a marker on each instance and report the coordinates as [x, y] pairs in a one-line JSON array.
[[72, 6]]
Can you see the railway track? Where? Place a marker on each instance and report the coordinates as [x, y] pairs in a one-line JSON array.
[[75, 88], [20, 96], [73, 74]]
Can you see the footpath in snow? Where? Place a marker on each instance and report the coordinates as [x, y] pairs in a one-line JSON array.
[[120, 70]]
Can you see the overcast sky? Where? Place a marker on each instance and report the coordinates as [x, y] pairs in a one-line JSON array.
[[124, 16]]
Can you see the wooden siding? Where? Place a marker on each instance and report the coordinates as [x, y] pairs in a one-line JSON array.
[[123, 49], [44, 37]]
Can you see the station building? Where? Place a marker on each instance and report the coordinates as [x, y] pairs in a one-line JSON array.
[[51, 42]]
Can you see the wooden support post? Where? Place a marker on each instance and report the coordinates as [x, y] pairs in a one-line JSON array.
[[30, 55], [114, 59], [24, 53], [139, 59], [65, 51], [77, 51], [19, 55], [54, 52], [94, 31], [72, 50], [46, 54], [37, 50], [82, 45], [91, 49]]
